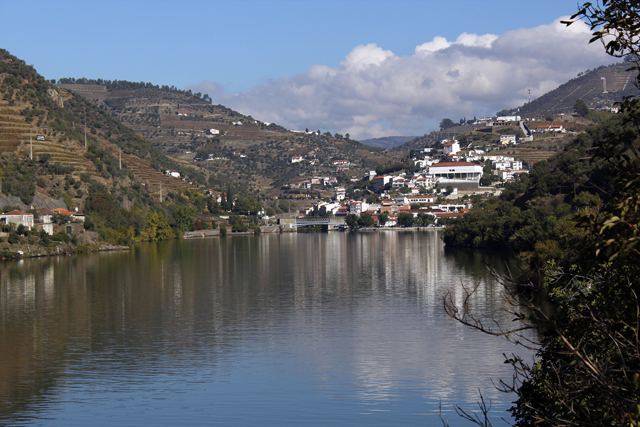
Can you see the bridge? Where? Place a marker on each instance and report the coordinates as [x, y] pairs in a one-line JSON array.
[[318, 220]]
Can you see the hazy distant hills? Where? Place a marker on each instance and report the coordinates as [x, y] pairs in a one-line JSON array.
[[387, 142]]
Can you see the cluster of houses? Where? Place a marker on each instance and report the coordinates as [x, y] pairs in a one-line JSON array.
[[340, 165], [44, 220], [452, 167], [316, 180], [414, 205]]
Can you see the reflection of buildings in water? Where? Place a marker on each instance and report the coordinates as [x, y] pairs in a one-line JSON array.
[[170, 298]]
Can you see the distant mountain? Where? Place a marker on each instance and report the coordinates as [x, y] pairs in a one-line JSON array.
[[387, 142]]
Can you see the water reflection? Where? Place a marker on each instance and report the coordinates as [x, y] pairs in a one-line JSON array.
[[344, 324]]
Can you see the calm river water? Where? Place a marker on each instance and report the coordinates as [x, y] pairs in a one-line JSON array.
[[275, 330]]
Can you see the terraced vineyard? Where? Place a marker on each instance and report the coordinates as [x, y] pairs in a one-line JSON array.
[[19, 137], [156, 183]]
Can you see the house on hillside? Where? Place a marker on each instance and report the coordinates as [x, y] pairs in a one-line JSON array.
[[549, 128], [174, 174], [451, 147], [341, 163], [17, 218], [507, 139]]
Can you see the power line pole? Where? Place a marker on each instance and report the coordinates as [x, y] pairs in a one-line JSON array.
[[85, 127], [30, 146]]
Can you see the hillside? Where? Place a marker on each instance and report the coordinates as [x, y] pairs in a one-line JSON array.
[[46, 152], [588, 86], [253, 155], [553, 108]]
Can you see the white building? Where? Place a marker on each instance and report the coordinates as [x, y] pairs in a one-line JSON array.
[[451, 147], [508, 118], [408, 200], [465, 173], [381, 182], [296, 159], [340, 194], [17, 218], [507, 139], [214, 131]]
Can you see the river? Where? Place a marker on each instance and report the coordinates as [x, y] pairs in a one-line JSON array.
[[273, 330]]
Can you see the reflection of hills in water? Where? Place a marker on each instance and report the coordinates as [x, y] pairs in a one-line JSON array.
[[186, 303]]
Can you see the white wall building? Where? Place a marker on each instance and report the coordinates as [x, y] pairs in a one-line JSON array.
[[456, 173], [507, 139], [17, 218], [509, 118], [451, 147]]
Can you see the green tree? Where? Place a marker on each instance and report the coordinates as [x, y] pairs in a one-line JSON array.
[[487, 174], [156, 228], [365, 220], [581, 108], [405, 220], [351, 220], [383, 218], [446, 124], [184, 217], [228, 204]]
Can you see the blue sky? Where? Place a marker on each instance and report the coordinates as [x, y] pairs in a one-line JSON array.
[[371, 68]]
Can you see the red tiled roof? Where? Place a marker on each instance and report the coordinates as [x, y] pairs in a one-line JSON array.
[[16, 212]]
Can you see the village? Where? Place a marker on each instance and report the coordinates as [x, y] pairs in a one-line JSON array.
[[441, 190]]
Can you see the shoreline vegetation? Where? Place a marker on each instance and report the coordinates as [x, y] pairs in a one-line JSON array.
[[22, 250], [574, 225]]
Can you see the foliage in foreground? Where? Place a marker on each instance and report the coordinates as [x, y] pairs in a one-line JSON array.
[[587, 371]]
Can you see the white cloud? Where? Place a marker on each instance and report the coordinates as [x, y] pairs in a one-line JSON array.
[[375, 93], [212, 89]]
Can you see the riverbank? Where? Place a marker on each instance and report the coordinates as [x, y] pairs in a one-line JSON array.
[[19, 251], [200, 234]]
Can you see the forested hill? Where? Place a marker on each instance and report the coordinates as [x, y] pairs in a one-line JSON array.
[[256, 156], [538, 216]]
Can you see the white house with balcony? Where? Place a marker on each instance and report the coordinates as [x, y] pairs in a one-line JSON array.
[[457, 174]]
